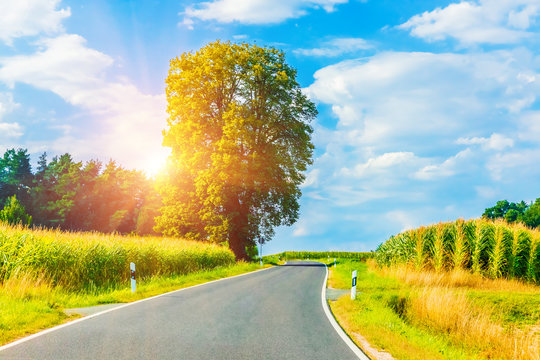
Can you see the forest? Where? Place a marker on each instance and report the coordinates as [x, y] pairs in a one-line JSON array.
[[69, 195]]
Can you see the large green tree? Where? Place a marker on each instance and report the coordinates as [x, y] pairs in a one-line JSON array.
[[240, 134]]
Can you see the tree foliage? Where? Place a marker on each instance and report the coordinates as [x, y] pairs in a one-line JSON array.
[[15, 175], [240, 136], [79, 196], [529, 214], [14, 213]]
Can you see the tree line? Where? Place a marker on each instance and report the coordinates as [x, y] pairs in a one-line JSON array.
[[529, 214], [76, 196]]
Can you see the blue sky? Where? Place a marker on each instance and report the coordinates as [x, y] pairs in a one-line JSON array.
[[429, 110]]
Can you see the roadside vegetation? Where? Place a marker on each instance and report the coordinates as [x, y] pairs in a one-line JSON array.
[[494, 249], [459, 290], [324, 256], [43, 272]]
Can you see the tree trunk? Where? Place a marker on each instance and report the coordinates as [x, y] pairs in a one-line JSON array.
[[239, 231], [237, 243]]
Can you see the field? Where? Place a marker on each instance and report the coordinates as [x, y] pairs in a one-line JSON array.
[[492, 249], [43, 272], [415, 314], [323, 256]]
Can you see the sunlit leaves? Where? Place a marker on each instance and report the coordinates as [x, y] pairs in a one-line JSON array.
[[240, 136]]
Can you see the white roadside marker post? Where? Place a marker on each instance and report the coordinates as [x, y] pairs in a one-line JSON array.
[[334, 262], [353, 288], [133, 283]]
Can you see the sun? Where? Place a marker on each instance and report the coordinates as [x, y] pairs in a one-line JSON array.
[[155, 164]]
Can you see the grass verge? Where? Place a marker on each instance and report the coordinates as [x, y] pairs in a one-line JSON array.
[[27, 306], [426, 315]]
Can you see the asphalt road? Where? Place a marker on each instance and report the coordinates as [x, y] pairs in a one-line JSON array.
[[271, 314]]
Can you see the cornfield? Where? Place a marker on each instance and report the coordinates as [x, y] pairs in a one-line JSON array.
[[91, 260], [494, 249]]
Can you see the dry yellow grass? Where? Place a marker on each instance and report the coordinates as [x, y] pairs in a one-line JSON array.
[[454, 278], [449, 311], [439, 301]]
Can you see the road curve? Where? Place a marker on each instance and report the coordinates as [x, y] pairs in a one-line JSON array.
[[271, 314]]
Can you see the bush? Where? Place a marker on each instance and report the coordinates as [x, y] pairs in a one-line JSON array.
[[14, 213]]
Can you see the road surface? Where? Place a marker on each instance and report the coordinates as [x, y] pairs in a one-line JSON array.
[[271, 314]]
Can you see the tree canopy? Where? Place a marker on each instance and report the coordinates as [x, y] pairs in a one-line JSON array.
[[240, 134], [75, 195], [512, 212], [14, 213]]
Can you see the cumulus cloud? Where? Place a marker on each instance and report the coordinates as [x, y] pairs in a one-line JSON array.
[[494, 142], [253, 11], [398, 116], [474, 22], [127, 123], [388, 164], [30, 17], [388, 98], [449, 167], [336, 47]]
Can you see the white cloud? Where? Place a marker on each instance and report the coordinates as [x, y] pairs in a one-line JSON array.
[[312, 179], [494, 142], [30, 17], [253, 11], [7, 104], [64, 65], [10, 130], [398, 116], [405, 219], [449, 167], [240, 37], [336, 47], [386, 164], [472, 22], [514, 166], [127, 123], [529, 126], [386, 99]]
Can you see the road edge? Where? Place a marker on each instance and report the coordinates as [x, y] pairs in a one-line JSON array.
[[58, 327], [342, 334]]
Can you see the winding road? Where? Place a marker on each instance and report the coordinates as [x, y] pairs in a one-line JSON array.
[[275, 313]]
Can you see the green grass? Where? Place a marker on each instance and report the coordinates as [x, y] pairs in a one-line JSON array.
[[384, 314], [373, 314], [512, 309], [26, 309]]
